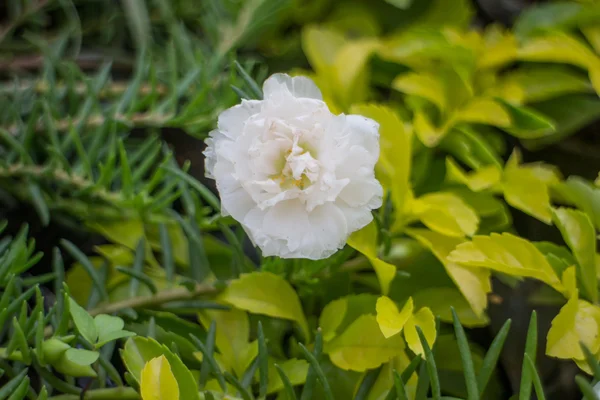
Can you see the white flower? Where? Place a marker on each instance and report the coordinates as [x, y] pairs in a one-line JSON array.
[[299, 179]]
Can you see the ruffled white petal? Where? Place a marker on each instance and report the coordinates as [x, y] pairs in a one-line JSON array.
[[298, 86], [299, 179]]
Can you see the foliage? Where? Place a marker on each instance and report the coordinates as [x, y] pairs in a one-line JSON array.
[[170, 302]]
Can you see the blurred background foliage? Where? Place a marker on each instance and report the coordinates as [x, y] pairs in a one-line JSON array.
[[489, 115]]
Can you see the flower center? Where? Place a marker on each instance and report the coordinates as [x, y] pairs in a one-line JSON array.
[[300, 169]]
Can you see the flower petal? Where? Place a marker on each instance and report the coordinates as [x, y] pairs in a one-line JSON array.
[[298, 86], [231, 121]]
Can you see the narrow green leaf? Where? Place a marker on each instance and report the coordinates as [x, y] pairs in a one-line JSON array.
[[398, 389], [242, 390], [12, 385], [206, 194], [254, 88], [411, 368], [537, 383], [423, 381], [592, 362], [126, 178], [208, 356], [466, 358], [139, 276], [367, 383], [21, 390], [588, 391], [167, 252], [37, 198], [210, 348], [314, 363], [491, 357], [87, 266], [137, 268], [431, 367], [263, 362], [311, 376], [287, 385], [530, 350]]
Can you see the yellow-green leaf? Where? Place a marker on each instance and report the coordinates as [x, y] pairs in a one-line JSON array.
[[560, 47], [578, 232], [423, 84], [486, 111], [508, 254], [362, 346], [429, 134], [365, 241], [523, 189], [473, 283], [294, 369], [158, 381], [498, 49], [446, 213], [268, 294], [481, 179], [233, 330], [425, 320], [390, 320], [331, 317], [577, 321], [352, 82], [321, 46], [440, 299]]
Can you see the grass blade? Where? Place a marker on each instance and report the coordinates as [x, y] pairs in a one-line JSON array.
[[466, 358], [491, 357], [530, 350]]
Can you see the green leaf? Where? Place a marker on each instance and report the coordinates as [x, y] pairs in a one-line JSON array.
[[232, 337], [268, 294], [295, 370], [331, 317], [362, 346], [402, 4], [481, 179], [482, 110], [422, 84], [526, 123], [579, 234], [446, 213], [561, 15], [539, 83], [138, 351], [425, 320], [390, 319], [81, 356], [83, 321], [157, 381], [558, 47], [508, 254], [582, 194], [525, 191], [440, 300], [365, 241]]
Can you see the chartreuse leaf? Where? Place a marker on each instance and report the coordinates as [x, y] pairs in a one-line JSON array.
[[498, 48], [365, 241], [478, 180], [579, 234], [422, 84], [332, 317], [440, 300], [446, 213], [425, 320], [508, 254], [362, 346], [268, 294], [526, 123], [474, 284], [394, 165], [577, 322], [524, 190], [482, 110], [139, 350], [390, 319], [584, 195], [158, 381], [560, 47], [232, 333]]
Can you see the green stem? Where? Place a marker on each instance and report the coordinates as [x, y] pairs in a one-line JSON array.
[[166, 296], [119, 393]]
